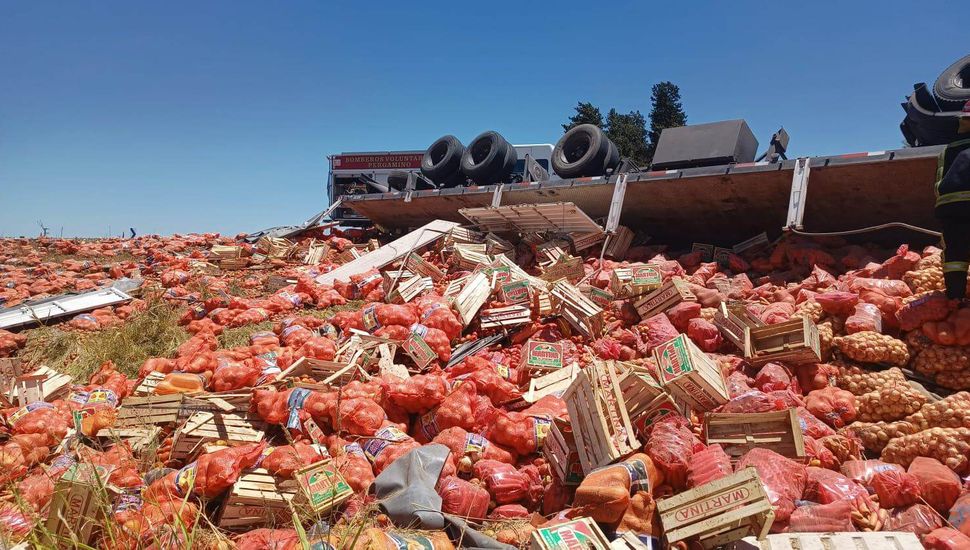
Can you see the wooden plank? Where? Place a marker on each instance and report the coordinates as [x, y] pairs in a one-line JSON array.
[[667, 296], [795, 341], [561, 217], [737, 433], [391, 252], [883, 540], [555, 383]]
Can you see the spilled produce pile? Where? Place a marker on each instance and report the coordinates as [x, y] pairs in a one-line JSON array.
[[486, 391]]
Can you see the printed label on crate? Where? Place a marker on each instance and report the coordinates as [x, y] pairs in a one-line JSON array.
[[418, 350], [354, 449], [543, 354], [706, 250], [673, 359], [384, 437], [324, 487], [86, 473], [645, 421], [646, 276], [699, 394], [498, 275], [369, 315], [714, 503], [516, 292], [601, 297], [409, 542], [659, 297], [573, 535]]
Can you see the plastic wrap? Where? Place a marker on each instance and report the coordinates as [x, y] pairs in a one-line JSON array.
[[865, 317], [862, 471], [505, 483], [463, 498], [946, 539], [824, 518], [918, 518]]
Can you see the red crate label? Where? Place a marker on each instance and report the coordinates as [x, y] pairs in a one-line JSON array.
[[544, 354], [673, 359], [713, 503]]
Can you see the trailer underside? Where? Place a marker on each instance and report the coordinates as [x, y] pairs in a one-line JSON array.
[[719, 204]]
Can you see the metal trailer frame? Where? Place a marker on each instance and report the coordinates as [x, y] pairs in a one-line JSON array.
[[718, 204]]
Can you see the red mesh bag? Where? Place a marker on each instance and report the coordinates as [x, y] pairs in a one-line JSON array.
[[933, 306], [439, 316], [359, 416], [509, 511], [490, 383], [604, 495], [784, 480], [703, 333], [753, 401], [866, 317], [156, 364], [457, 409], [837, 302], [945, 538], [438, 341], [960, 514], [475, 446], [822, 518], [419, 393], [319, 347], [36, 490], [738, 383], [393, 332], [681, 314], [812, 426], [895, 488], [216, 472], [271, 405], [230, 375], [918, 518], [504, 482], [777, 312], [390, 314], [286, 459], [463, 498], [268, 539], [819, 455], [352, 463], [773, 377], [671, 446], [517, 431], [939, 485], [815, 376], [862, 471], [120, 461], [895, 267], [659, 330], [827, 486], [708, 465], [833, 406], [51, 423]]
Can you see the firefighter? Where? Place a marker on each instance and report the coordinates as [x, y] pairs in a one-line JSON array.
[[953, 211]]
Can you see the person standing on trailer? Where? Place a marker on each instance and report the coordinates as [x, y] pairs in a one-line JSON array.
[[953, 211]]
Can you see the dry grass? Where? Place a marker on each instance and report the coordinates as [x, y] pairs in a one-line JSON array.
[[152, 333], [352, 305], [235, 337]]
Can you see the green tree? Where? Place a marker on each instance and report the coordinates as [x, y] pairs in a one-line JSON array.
[[586, 113], [666, 112], [629, 133]]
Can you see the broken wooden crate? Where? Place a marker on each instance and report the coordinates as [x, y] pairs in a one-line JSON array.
[[645, 400], [566, 267], [599, 417], [148, 384], [220, 252], [409, 289], [417, 264], [619, 243], [505, 317], [795, 341], [549, 252], [579, 533], [315, 253], [258, 499], [472, 297], [555, 383], [732, 320], [559, 449], [151, 410], [718, 513], [43, 384], [578, 310], [738, 433], [139, 440], [671, 293], [882, 540], [470, 256], [634, 280], [326, 373], [688, 374], [203, 427], [275, 247]]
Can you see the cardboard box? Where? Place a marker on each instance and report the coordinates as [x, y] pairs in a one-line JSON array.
[[688, 374]]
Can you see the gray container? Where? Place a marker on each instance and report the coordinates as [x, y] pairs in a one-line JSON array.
[[712, 144]]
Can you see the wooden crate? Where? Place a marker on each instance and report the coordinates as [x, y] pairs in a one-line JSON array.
[[516, 292], [230, 265], [495, 245], [578, 310], [258, 499], [418, 350], [275, 247], [550, 252], [327, 373], [579, 533], [706, 250], [583, 241], [225, 252], [148, 384], [883, 540], [598, 416], [738, 433], [152, 410], [78, 506], [555, 383], [667, 296], [419, 265], [315, 253], [794, 342], [757, 242], [203, 427], [718, 513], [601, 297], [139, 439], [453, 288], [322, 487], [542, 356], [732, 320], [568, 267], [634, 280], [688, 374], [505, 317], [460, 235], [43, 384], [619, 243], [409, 289], [470, 256], [472, 297], [559, 449]]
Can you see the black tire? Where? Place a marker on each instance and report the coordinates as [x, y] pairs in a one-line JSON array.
[[612, 159], [952, 88], [442, 160], [397, 180], [511, 157], [485, 158], [581, 152], [457, 180]]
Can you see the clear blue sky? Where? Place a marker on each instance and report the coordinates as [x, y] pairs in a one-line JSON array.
[[219, 115]]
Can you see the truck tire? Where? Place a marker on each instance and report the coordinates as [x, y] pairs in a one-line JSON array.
[[581, 152], [612, 159], [952, 88], [442, 161], [397, 180], [484, 161]]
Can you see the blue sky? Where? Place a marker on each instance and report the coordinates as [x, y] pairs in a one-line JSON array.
[[218, 115]]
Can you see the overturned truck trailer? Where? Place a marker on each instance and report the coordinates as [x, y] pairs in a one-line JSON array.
[[718, 204]]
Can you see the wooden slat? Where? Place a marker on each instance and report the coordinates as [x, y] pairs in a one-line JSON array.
[[737, 433]]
